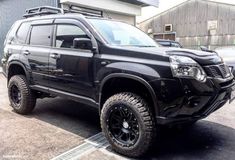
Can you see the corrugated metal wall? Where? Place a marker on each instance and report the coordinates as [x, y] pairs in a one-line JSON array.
[[12, 10], [190, 22]]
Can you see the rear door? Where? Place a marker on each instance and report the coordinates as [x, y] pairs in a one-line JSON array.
[[38, 49], [71, 70]]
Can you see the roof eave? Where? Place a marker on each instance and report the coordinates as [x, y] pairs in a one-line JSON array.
[[143, 3]]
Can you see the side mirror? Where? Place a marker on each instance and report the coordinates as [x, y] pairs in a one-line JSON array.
[[205, 49], [82, 43]]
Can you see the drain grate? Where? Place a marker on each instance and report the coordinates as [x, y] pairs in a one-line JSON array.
[[91, 144]]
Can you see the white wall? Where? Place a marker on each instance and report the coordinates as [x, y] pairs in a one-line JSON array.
[[109, 5], [122, 17]]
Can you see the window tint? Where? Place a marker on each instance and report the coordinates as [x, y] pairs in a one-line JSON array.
[[22, 32], [65, 35], [41, 35]]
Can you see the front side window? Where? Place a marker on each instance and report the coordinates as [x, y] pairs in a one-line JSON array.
[[41, 35], [65, 35], [23, 32], [122, 34]]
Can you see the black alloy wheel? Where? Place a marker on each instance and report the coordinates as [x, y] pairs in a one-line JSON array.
[[123, 125], [15, 95]]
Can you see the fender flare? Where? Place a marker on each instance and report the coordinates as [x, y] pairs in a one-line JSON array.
[[21, 65], [133, 77]]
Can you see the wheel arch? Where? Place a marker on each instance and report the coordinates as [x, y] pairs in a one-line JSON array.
[[132, 78], [20, 70]]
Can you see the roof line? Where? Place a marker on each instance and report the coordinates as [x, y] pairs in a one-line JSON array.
[[219, 2], [186, 1]]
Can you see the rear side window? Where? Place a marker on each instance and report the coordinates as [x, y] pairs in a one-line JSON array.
[[11, 33], [23, 32], [41, 35]]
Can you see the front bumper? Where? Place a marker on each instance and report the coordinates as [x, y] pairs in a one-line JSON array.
[[182, 100]]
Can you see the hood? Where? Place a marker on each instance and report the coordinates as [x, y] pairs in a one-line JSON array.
[[203, 58], [190, 52]]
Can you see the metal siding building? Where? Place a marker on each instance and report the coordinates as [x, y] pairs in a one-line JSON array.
[[12, 10], [195, 23]]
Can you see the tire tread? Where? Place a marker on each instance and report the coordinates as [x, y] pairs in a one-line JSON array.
[[145, 113], [29, 98]]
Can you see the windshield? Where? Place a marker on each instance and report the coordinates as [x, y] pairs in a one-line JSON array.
[[122, 34]]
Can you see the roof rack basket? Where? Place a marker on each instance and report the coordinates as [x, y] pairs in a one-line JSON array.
[[43, 10], [47, 10], [84, 11]]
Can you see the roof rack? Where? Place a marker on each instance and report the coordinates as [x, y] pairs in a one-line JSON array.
[[42, 10], [47, 10]]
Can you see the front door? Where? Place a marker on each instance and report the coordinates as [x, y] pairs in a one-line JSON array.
[[71, 70]]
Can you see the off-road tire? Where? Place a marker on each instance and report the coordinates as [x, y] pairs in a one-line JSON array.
[[28, 98], [144, 116]]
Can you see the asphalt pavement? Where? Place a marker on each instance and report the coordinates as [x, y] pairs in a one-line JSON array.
[[61, 128]]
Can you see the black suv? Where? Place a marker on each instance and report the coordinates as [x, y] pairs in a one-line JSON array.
[[136, 85]]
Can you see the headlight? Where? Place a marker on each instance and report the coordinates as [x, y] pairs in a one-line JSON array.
[[185, 67]]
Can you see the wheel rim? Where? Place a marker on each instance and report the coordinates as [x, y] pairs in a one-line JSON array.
[[123, 125], [15, 95]]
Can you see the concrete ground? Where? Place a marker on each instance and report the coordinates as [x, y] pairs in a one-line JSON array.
[[58, 125]]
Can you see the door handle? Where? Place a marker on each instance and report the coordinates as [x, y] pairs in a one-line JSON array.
[[55, 55], [26, 52]]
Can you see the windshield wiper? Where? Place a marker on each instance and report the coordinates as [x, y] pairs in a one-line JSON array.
[[137, 46], [146, 46]]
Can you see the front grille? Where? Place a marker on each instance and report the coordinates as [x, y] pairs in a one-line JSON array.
[[217, 71]]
